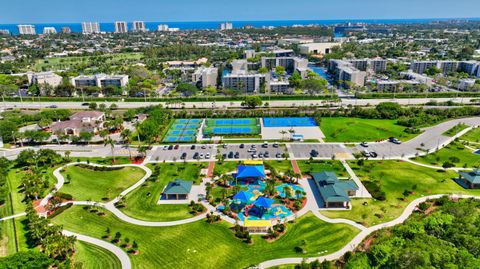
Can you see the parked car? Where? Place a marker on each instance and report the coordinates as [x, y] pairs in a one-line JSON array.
[[251, 150], [52, 106], [165, 147], [394, 140], [265, 145], [314, 153], [237, 155], [176, 146], [366, 153], [170, 147], [192, 147], [184, 156], [242, 146], [204, 146], [195, 155], [224, 146], [254, 156], [279, 155], [275, 145], [254, 146], [364, 144], [85, 104], [266, 155], [230, 155], [200, 156], [207, 156], [373, 154]]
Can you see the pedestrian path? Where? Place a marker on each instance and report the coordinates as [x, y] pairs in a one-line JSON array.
[[362, 191], [296, 169], [211, 167]]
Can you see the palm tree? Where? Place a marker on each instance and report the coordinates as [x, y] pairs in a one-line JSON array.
[[126, 140], [109, 141], [283, 133]]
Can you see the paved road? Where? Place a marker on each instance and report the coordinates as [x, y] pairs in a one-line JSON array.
[[121, 255], [237, 104]]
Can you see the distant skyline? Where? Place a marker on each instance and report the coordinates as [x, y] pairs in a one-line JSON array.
[[61, 11]]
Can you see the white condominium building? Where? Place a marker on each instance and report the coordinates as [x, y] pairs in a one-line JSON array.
[[49, 30], [206, 75], [226, 26], [100, 80], [90, 27], [139, 26], [121, 27], [162, 28], [48, 78], [26, 29]]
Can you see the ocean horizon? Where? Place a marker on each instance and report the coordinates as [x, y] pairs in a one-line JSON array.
[[76, 27]]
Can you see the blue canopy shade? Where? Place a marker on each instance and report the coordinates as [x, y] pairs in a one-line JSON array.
[[243, 196], [246, 171], [263, 202]]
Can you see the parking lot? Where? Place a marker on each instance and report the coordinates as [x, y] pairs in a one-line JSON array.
[[210, 152]]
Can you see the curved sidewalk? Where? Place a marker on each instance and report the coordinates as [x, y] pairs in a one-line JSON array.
[[358, 239], [121, 255]]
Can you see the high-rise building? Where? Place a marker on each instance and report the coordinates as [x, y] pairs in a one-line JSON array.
[[226, 26], [49, 30], [162, 28], [139, 26], [90, 27], [244, 81], [345, 71], [206, 75], [121, 27], [26, 29], [66, 30]]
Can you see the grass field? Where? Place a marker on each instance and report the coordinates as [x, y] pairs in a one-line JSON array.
[[203, 245], [308, 167], [456, 129], [88, 184], [104, 161], [89, 256], [472, 136], [455, 153], [82, 62], [394, 178], [340, 129], [142, 202]]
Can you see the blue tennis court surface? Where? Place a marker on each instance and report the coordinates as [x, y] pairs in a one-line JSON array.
[[289, 122], [183, 130], [232, 122]]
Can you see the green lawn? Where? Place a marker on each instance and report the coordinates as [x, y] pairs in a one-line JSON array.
[[142, 202], [282, 166], [225, 167], [203, 245], [455, 153], [88, 184], [341, 129], [104, 161], [308, 167], [472, 136], [394, 177], [81, 62], [456, 129], [89, 256]]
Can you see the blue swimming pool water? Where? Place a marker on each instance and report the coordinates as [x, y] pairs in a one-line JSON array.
[[289, 122], [293, 188]]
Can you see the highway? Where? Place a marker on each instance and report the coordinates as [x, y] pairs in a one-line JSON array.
[[237, 104]]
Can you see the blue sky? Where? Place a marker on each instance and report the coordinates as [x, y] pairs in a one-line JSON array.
[[46, 11]]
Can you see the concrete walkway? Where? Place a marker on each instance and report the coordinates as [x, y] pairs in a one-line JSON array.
[[362, 191], [358, 239], [121, 255]]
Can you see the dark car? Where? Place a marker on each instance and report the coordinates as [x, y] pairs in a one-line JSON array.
[[85, 104], [170, 147], [394, 140], [52, 106], [176, 146], [267, 154], [192, 147], [279, 155], [184, 156], [237, 155], [195, 155], [364, 144], [373, 154], [230, 155], [314, 153], [242, 146]]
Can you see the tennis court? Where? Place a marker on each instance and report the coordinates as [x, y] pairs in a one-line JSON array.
[[183, 130], [289, 122], [245, 126]]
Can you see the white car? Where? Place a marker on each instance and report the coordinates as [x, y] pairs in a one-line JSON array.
[[200, 156], [165, 147], [207, 156]]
